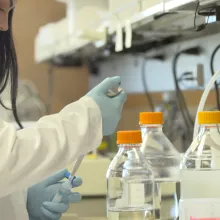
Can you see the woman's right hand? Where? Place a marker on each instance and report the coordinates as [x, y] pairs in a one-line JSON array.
[[111, 108]]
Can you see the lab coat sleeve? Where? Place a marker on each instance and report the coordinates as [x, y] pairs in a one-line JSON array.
[[30, 155]]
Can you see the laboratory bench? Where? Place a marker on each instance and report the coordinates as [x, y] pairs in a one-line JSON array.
[[72, 217], [88, 208], [93, 190]]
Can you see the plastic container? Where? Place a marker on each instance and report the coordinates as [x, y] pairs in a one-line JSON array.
[[164, 160], [200, 171], [129, 181]]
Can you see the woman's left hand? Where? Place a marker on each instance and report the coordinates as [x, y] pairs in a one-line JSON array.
[[40, 196]]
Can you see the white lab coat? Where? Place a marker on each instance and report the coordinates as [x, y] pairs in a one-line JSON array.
[[30, 155]]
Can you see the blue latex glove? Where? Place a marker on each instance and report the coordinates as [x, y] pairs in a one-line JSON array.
[[40, 196], [111, 108]]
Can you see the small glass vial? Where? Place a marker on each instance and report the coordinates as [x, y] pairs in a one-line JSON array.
[[114, 92], [129, 181]]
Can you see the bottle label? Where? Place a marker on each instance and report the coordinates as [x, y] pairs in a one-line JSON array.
[[200, 184], [192, 218], [134, 194], [200, 209]]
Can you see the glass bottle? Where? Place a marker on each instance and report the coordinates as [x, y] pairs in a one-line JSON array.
[[165, 161], [129, 181], [200, 171]]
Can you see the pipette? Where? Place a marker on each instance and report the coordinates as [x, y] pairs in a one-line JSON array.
[[68, 185]]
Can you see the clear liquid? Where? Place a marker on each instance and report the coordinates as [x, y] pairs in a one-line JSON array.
[[121, 214], [167, 195], [131, 193], [167, 186]]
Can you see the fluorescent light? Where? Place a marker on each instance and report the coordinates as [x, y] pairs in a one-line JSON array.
[[211, 19], [99, 44]]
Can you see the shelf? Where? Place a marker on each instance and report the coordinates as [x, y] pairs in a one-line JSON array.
[[62, 43]]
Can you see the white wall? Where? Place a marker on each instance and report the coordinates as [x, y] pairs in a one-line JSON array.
[[159, 74]]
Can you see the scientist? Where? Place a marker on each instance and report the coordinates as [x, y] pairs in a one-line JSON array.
[[30, 155]]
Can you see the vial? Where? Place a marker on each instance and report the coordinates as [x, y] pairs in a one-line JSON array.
[[114, 91]]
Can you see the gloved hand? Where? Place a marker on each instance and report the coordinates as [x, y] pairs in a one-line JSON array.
[[111, 108], [40, 196]]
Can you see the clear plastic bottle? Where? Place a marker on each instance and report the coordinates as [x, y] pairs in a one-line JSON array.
[[129, 181], [165, 161], [200, 171]]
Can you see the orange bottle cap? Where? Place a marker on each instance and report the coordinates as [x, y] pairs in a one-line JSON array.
[[150, 118], [129, 137], [209, 117]]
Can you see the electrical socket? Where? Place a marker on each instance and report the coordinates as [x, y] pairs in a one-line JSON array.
[[198, 75], [190, 84]]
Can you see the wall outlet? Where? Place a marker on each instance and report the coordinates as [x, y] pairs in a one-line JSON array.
[[190, 84], [198, 82]]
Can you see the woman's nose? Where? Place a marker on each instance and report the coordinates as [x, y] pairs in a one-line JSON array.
[[4, 23]]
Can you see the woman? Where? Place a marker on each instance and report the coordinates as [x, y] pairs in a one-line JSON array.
[[31, 154]]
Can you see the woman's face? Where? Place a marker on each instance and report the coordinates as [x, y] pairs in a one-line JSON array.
[[5, 7]]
